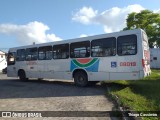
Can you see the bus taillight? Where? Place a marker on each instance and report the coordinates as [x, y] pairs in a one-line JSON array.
[[143, 64]]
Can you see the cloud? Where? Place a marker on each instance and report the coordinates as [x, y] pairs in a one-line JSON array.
[[85, 15], [83, 35], [157, 11], [29, 33], [112, 19]]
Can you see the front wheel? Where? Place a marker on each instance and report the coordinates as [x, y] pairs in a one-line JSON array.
[[81, 79], [22, 76]]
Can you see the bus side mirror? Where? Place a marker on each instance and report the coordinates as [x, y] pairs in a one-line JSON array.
[[11, 59]]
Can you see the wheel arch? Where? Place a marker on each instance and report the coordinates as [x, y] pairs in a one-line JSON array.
[[77, 70], [19, 71]]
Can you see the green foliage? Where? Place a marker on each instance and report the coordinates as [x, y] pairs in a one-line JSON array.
[[139, 95], [148, 21]]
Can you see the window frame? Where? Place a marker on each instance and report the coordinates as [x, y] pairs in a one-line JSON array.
[[60, 53], [133, 45], [31, 58], [88, 51], [24, 55], [114, 47], [45, 52]]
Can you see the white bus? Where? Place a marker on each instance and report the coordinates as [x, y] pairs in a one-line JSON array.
[[115, 56]]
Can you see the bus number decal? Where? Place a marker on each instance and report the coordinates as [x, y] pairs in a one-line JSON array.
[[89, 64], [127, 63]]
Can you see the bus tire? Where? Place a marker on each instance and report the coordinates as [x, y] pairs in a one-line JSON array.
[[22, 76], [81, 79]]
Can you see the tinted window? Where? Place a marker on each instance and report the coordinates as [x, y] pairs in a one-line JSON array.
[[61, 51], [127, 45], [80, 49], [31, 54], [45, 53], [103, 47], [20, 55]]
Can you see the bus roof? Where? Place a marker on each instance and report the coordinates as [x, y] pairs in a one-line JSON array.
[[114, 34]]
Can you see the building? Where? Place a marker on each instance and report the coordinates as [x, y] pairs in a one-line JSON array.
[[3, 61], [155, 57]]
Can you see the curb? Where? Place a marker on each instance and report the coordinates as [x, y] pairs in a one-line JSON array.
[[121, 108]]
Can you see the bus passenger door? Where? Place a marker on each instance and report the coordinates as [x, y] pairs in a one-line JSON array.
[[44, 59], [60, 65], [31, 71], [31, 62], [40, 68]]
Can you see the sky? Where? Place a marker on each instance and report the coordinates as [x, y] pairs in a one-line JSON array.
[[23, 22]]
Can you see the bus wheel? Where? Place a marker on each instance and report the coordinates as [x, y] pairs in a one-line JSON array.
[[80, 79], [22, 76]]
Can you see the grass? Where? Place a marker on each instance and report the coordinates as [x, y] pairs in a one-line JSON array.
[[141, 95]]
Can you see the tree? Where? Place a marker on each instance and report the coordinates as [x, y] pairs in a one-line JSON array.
[[149, 22]]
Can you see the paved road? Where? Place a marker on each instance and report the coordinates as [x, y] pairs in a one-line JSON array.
[[51, 96]]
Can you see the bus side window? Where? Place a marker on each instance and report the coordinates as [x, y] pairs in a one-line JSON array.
[[127, 45], [103, 47], [49, 52], [80, 49], [45, 53], [61, 51], [41, 53], [20, 55], [31, 54]]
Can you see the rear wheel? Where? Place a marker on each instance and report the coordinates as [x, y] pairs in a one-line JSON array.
[[22, 76], [81, 79]]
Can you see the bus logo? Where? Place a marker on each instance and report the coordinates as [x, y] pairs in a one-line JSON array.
[[89, 64]]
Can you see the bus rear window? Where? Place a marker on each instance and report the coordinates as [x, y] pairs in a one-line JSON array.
[[127, 45]]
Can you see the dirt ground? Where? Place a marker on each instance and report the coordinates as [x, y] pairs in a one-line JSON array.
[[47, 95]]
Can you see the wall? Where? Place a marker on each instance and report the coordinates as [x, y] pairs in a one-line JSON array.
[[155, 57], [3, 62]]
